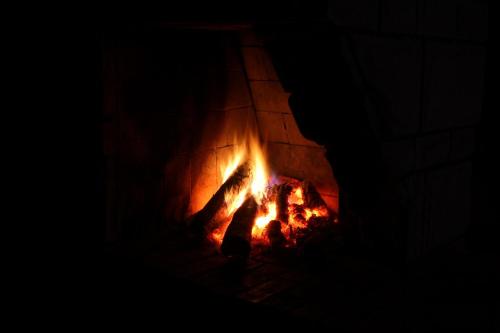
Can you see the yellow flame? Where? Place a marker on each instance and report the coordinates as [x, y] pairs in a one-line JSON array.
[[252, 152], [259, 170], [248, 150], [296, 197], [262, 221], [234, 199], [228, 169]]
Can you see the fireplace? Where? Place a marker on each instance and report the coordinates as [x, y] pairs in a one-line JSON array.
[[238, 114], [227, 179]]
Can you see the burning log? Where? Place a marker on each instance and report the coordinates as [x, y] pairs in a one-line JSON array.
[[298, 213], [312, 199], [238, 236], [215, 211], [273, 233], [283, 191]]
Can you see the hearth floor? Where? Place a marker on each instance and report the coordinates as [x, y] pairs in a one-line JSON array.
[[336, 291], [339, 292]]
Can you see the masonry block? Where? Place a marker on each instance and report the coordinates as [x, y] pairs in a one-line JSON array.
[[228, 89], [399, 156], [354, 13], [332, 201], [432, 149], [454, 80], [310, 163], [258, 64], [463, 143], [269, 96], [398, 16], [177, 208], [448, 203], [278, 155], [232, 59], [272, 126], [177, 175], [237, 92], [392, 69], [416, 230], [472, 20], [439, 18], [209, 131], [294, 135], [224, 156], [236, 123], [249, 38], [203, 178], [460, 19]]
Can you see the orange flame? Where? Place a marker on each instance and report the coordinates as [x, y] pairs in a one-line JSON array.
[[231, 165], [260, 174], [234, 199], [296, 197], [298, 215], [252, 152], [262, 221]]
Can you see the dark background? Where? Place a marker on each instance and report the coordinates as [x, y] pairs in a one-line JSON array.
[[405, 85], [394, 90]]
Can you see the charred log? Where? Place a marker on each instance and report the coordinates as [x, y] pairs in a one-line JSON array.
[[238, 236], [215, 211], [274, 234], [283, 191], [298, 213], [312, 199]]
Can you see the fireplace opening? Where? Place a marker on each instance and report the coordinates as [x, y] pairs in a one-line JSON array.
[[230, 141], [295, 165]]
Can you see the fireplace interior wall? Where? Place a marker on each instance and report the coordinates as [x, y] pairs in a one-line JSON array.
[[175, 104]]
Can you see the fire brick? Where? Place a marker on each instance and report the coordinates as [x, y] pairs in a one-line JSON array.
[[269, 96], [258, 64]]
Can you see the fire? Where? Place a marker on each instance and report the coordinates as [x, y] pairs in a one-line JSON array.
[[259, 185], [296, 197], [261, 175], [253, 152], [263, 220], [231, 166], [234, 199], [218, 234]]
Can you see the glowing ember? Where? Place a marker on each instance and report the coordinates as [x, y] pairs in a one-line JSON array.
[[218, 234], [297, 216], [296, 197], [262, 221]]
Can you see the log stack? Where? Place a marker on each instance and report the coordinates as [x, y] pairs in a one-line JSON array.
[[274, 234], [283, 191], [214, 212], [300, 229], [238, 237], [312, 198]]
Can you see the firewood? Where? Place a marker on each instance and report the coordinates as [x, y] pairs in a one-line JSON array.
[[312, 199], [274, 234], [298, 212], [283, 192], [214, 212], [238, 236]]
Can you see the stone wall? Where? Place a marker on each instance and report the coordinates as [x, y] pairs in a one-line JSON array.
[[425, 62]]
